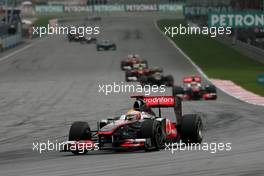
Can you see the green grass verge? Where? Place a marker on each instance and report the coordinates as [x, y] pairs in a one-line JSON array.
[[43, 20], [218, 60]]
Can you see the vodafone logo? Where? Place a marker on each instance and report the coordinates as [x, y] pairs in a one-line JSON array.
[[159, 100]]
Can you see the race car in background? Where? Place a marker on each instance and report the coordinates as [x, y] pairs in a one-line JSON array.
[[133, 61], [194, 90], [74, 37], [105, 45], [88, 40], [157, 78], [139, 71], [139, 128], [82, 39]]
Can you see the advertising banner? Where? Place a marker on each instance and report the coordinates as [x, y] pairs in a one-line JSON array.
[[48, 8], [205, 10], [141, 7], [240, 20], [170, 7], [78, 9], [109, 8]]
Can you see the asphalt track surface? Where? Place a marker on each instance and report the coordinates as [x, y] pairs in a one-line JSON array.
[[48, 86]]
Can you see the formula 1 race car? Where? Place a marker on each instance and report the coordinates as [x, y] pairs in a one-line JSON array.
[[74, 37], [132, 62], [88, 40], [105, 45], [194, 90], [135, 74], [157, 79], [139, 128], [82, 39]]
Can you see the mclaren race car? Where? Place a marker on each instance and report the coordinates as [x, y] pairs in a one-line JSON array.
[[194, 90], [105, 45], [157, 79], [138, 72], [132, 62], [139, 128]]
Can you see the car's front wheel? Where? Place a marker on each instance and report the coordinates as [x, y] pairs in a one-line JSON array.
[[80, 131], [169, 81], [177, 90], [152, 130]]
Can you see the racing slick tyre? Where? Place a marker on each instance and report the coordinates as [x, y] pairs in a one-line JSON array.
[[99, 48], [114, 47], [143, 80], [191, 129], [170, 81], [80, 131], [145, 62], [122, 65], [152, 129], [128, 74], [211, 89], [177, 90], [156, 70]]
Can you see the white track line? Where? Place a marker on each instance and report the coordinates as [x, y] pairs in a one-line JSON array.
[[197, 67]]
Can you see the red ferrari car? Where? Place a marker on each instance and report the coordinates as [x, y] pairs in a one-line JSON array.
[[132, 62], [135, 74], [139, 128], [194, 90]]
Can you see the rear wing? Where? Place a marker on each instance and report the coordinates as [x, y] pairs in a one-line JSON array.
[[159, 101], [192, 79], [163, 102]]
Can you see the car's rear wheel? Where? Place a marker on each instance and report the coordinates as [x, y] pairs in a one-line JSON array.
[[170, 80], [177, 90], [128, 74], [211, 89], [145, 62], [99, 48], [143, 80], [191, 129], [80, 131], [152, 129], [122, 65]]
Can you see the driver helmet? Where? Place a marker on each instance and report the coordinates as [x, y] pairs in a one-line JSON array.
[[133, 115], [138, 105]]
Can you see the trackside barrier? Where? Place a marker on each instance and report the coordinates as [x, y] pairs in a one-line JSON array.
[[170, 7], [109, 8], [40, 9], [141, 7], [10, 41], [49, 8]]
